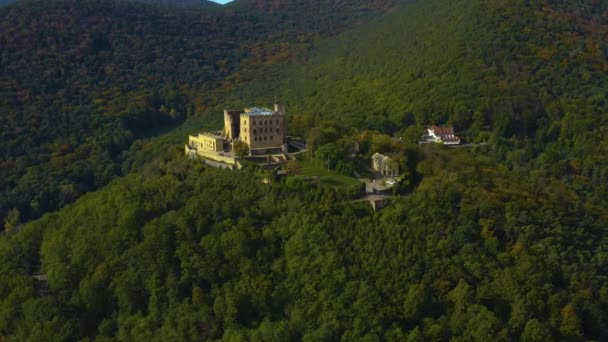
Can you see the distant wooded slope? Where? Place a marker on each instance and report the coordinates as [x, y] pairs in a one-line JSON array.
[[81, 80], [179, 3], [530, 78]]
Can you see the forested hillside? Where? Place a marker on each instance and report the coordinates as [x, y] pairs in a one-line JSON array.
[[502, 241], [81, 80], [186, 252], [524, 70], [180, 3], [530, 78]]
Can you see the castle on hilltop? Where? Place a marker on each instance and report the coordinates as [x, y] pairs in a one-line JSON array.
[[252, 133], [262, 129]]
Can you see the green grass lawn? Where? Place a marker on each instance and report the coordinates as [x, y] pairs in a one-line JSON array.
[[311, 168]]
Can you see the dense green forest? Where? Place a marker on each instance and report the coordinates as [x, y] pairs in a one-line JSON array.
[[502, 241], [186, 252], [80, 81]]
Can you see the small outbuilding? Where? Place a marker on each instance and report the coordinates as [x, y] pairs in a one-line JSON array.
[[378, 202], [384, 165]]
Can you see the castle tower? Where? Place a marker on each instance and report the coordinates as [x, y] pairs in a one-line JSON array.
[[279, 108], [263, 129], [231, 124]]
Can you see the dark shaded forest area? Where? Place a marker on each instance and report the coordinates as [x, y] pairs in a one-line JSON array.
[[80, 81]]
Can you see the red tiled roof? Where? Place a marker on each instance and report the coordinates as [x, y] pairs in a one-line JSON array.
[[442, 130]]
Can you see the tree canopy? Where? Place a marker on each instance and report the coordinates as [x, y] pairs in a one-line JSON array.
[[499, 241]]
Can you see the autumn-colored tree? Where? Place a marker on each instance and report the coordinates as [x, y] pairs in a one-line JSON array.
[[293, 167], [12, 219]]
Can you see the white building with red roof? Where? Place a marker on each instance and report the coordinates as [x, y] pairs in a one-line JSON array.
[[443, 135]]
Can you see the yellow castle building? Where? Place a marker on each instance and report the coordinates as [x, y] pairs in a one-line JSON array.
[[261, 129]]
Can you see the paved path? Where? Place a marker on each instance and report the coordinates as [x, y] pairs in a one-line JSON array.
[[453, 146], [467, 145], [376, 201], [375, 185], [374, 197]]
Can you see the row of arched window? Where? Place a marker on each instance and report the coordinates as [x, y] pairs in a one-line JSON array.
[[262, 122], [264, 138], [264, 130]]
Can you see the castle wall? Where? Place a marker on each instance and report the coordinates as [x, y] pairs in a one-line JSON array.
[[208, 142], [216, 157]]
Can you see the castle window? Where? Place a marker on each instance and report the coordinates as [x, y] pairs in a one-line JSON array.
[[277, 121], [278, 130], [265, 122], [264, 138], [255, 131], [253, 122], [245, 122], [256, 138]]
